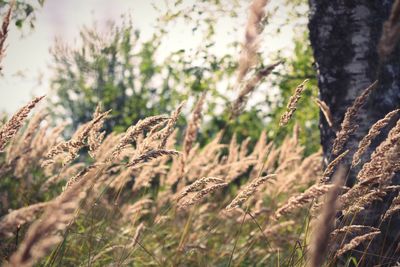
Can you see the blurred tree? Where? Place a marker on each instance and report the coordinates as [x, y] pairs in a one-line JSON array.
[[24, 11], [123, 74], [136, 79], [101, 70]]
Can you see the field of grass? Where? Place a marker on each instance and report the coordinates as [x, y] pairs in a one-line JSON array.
[[153, 196], [143, 198]]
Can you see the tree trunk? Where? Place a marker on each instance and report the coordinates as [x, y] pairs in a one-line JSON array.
[[344, 35]]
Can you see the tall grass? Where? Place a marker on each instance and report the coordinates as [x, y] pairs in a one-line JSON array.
[[146, 198]]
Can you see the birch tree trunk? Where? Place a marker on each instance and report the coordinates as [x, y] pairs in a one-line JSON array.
[[344, 35]]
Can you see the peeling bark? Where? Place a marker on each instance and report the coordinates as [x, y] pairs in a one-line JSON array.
[[344, 35]]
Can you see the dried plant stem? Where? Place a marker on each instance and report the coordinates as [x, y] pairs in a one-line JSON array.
[[380, 166], [193, 126], [169, 128], [352, 229], [9, 130], [292, 105], [331, 167], [326, 111], [248, 87], [72, 147], [394, 207], [372, 134], [200, 195], [325, 223], [355, 242], [4, 30], [298, 201], [391, 32], [134, 131], [198, 185], [274, 228], [16, 218], [349, 126], [248, 191], [248, 56], [363, 201], [152, 154], [96, 136], [42, 235]]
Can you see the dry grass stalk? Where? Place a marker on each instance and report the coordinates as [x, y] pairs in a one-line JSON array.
[[164, 134], [261, 144], [391, 32], [248, 55], [233, 169], [4, 30], [233, 154], [32, 127], [248, 191], [351, 196], [132, 213], [70, 171], [292, 105], [22, 149], [298, 201], [158, 136], [244, 148], [16, 218], [331, 167], [10, 128], [152, 154], [391, 164], [355, 242], [69, 150], [248, 88], [76, 178], [193, 126], [201, 194], [161, 219], [394, 207], [198, 185], [43, 141], [325, 223], [104, 252], [95, 136], [42, 235], [275, 228], [134, 131], [381, 161], [139, 229], [137, 206], [372, 134], [146, 175], [238, 168], [365, 200], [325, 110], [136, 236], [349, 126], [352, 229], [119, 181]]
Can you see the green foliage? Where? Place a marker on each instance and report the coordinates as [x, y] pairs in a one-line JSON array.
[[123, 74], [102, 70], [24, 11], [131, 75]]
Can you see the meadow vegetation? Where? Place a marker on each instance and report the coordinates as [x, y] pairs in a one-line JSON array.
[[156, 192]]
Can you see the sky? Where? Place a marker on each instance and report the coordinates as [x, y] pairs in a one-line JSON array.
[[27, 61]]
